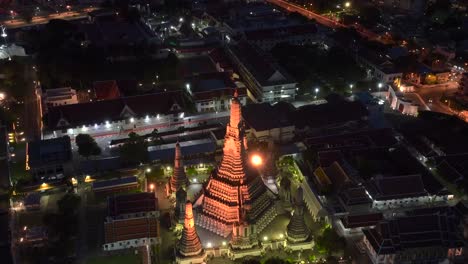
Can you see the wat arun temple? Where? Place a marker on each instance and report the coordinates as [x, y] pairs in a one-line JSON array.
[[234, 204]]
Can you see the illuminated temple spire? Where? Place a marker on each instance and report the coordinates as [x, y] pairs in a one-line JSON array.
[[234, 188], [189, 244], [178, 179], [297, 230]]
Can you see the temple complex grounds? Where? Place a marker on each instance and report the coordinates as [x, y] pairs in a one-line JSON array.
[[275, 231]]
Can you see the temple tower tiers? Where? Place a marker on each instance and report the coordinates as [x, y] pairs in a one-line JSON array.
[[181, 199], [233, 187], [189, 244], [178, 179], [297, 230]]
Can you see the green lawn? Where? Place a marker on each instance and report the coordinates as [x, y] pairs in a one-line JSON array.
[[117, 259]]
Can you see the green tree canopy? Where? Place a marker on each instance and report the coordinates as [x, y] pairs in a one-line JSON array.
[[329, 242], [134, 150], [87, 146]]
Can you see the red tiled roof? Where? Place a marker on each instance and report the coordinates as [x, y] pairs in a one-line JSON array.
[[132, 203], [131, 228], [106, 90]]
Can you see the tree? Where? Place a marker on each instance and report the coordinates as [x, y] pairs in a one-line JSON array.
[[329, 242], [276, 260], [134, 150], [250, 261], [69, 203], [87, 146]]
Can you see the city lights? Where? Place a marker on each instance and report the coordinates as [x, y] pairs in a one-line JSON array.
[[256, 160]]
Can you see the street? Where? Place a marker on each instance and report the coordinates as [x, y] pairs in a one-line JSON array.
[[37, 20], [322, 19], [431, 94]]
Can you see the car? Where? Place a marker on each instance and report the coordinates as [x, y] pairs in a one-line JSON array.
[[430, 100]]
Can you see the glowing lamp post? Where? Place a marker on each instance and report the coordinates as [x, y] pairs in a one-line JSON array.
[[256, 160], [151, 186]]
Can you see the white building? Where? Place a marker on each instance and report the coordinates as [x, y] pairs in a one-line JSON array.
[[398, 101], [121, 115], [59, 96], [265, 79]]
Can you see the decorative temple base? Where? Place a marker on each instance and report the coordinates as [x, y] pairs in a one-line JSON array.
[[201, 258], [213, 225]]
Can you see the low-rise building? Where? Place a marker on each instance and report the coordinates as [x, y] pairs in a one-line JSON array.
[[269, 122], [265, 80], [379, 67], [133, 205], [398, 101], [212, 92], [49, 159], [116, 115], [115, 185], [397, 191], [58, 97], [425, 236], [106, 90], [353, 224], [130, 233]]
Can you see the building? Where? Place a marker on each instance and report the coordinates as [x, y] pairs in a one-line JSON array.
[[353, 224], [130, 233], [58, 97], [388, 191], [106, 90], [116, 115], [265, 80], [425, 236], [133, 205], [235, 193], [379, 67], [398, 101], [115, 185], [49, 159], [32, 201], [265, 121], [212, 92]]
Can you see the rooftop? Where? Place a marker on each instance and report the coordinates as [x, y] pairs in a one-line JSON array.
[[132, 203], [49, 151], [106, 90], [432, 229], [396, 187], [264, 69], [130, 228], [265, 116], [71, 116]]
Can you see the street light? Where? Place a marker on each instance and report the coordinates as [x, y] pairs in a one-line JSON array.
[[347, 4]]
